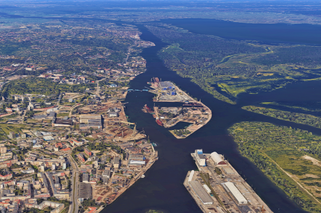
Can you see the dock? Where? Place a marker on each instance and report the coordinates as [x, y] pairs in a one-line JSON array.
[[192, 111], [217, 187]]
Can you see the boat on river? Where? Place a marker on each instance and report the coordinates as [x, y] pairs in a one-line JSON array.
[[146, 109], [193, 104], [159, 122]]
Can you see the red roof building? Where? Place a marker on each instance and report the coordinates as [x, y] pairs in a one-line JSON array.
[[88, 152], [81, 157]]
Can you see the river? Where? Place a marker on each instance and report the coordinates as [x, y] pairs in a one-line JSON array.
[[162, 188]]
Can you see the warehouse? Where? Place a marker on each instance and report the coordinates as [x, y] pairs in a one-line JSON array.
[[218, 160], [230, 187], [85, 191], [201, 193], [62, 122], [165, 85], [90, 121], [136, 163], [138, 157], [191, 176], [85, 118], [200, 157]]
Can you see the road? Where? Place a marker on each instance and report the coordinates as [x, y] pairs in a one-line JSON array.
[[74, 183], [70, 113], [292, 177], [98, 87]]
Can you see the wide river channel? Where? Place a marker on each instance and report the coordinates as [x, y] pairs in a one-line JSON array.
[[162, 188]]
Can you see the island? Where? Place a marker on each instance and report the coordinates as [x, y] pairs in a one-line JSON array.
[[193, 112], [217, 187]]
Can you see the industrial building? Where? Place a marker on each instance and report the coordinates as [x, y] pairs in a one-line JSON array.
[[201, 193], [136, 163], [116, 162], [218, 160], [191, 176], [230, 187], [138, 157], [85, 191], [165, 85], [62, 122], [168, 86], [90, 121], [200, 157], [237, 195]]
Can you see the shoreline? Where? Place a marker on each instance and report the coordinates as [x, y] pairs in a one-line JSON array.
[[217, 194], [136, 178], [190, 127]]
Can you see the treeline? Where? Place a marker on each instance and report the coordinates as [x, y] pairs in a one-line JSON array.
[[301, 55], [295, 117], [269, 146], [32, 85]]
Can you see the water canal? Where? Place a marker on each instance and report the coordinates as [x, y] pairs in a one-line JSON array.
[[162, 188]]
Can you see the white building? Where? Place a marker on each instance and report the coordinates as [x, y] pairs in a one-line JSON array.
[[136, 163], [200, 158], [218, 160], [230, 187]]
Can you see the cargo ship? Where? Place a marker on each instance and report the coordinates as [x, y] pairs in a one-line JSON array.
[[146, 109], [159, 122], [193, 104]]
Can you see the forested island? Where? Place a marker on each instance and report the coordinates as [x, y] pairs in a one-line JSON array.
[[225, 68], [289, 157], [295, 117]]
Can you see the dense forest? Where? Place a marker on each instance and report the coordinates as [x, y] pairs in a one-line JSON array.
[[226, 68], [300, 55], [282, 153], [287, 115]]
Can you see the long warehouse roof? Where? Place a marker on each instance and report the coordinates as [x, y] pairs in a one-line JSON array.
[[200, 192], [236, 193]]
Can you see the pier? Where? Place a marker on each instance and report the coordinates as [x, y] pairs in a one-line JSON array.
[[217, 187]]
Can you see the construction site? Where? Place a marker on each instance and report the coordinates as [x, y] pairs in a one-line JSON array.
[[217, 187], [111, 118]]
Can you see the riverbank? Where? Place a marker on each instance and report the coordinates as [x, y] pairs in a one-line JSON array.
[[287, 156], [140, 175], [162, 189]]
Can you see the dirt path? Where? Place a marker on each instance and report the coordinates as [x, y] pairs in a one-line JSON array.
[[292, 177]]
